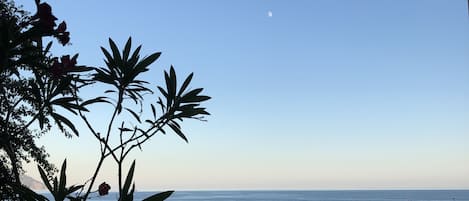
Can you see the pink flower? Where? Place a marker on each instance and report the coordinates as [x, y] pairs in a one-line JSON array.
[[103, 189]]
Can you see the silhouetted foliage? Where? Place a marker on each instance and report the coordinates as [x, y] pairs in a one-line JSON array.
[[34, 84], [30, 89], [122, 72]]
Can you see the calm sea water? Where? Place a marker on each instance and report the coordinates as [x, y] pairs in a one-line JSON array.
[[359, 195]]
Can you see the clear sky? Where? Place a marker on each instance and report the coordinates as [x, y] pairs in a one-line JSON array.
[[306, 94]]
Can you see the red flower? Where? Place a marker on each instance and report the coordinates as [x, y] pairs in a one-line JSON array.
[[46, 20], [57, 69], [68, 63], [64, 38], [65, 65], [61, 34], [62, 27], [103, 189]]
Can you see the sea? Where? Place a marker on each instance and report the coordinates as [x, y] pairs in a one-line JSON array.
[[292, 195]]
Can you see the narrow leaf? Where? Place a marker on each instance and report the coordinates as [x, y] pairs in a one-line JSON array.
[[134, 114], [185, 84], [108, 56], [99, 99], [163, 92], [61, 119], [125, 129], [129, 178], [63, 177], [115, 52], [125, 54], [73, 188], [44, 178], [178, 132], [148, 60], [153, 110], [159, 196]]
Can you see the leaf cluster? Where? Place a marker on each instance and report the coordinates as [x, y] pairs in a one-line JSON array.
[[127, 192], [58, 186]]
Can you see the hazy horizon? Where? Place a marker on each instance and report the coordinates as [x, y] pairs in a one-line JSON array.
[[305, 94]]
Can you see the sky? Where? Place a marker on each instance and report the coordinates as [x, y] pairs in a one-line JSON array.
[[305, 94]]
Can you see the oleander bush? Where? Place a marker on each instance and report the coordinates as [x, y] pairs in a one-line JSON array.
[[40, 90]]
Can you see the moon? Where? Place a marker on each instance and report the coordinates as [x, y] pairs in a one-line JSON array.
[[269, 13]]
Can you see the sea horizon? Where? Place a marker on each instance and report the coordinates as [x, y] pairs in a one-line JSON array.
[[302, 195], [286, 189]]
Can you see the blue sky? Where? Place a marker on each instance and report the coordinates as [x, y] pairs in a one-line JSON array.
[[322, 95]]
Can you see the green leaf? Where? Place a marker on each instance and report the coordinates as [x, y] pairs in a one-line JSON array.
[[73, 188], [134, 114], [160, 102], [185, 84], [149, 121], [196, 99], [70, 106], [187, 107], [108, 56], [63, 100], [172, 75], [125, 129], [49, 45], [153, 110], [100, 99], [128, 179], [115, 52], [191, 94], [178, 132], [56, 187], [163, 92], [159, 196], [171, 83], [131, 193], [125, 54], [61, 191], [110, 91], [63, 178], [81, 69], [191, 113], [147, 61], [44, 178], [169, 98], [135, 56], [61, 119]]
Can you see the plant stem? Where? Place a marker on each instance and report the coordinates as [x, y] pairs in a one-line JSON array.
[[103, 152], [101, 160], [120, 177]]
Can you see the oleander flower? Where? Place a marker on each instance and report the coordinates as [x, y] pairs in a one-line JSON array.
[[46, 20], [104, 189], [62, 27], [61, 34], [68, 63], [61, 68]]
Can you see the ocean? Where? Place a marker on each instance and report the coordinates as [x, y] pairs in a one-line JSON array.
[[347, 195]]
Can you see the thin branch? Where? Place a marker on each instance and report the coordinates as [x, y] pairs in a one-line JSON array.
[[159, 128], [144, 133]]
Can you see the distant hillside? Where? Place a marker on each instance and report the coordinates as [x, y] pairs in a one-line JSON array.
[[32, 183]]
